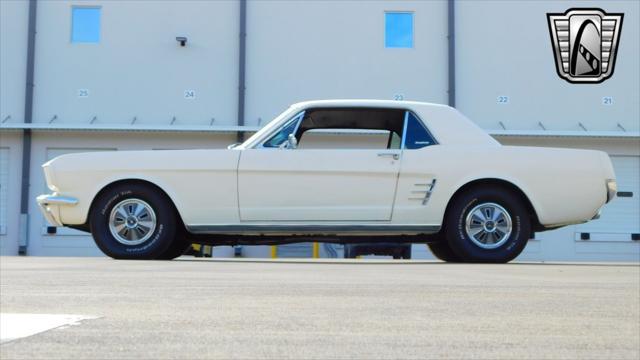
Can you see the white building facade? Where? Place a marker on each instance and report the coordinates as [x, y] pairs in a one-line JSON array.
[[101, 75]]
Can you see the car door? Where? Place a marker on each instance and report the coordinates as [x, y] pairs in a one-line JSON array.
[[329, 184]]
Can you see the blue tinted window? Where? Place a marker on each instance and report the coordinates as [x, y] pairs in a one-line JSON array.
[[398, 30], [417, 135], [283, 135], [85, 25]]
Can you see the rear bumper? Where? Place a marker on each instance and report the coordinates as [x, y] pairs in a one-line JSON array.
[[597, 215], [50, 204], [612, 189]]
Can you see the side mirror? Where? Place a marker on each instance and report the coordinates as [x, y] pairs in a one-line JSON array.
[[292, 142], [233, 146]]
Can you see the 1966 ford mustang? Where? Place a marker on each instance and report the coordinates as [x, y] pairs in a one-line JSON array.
[[343, 171]]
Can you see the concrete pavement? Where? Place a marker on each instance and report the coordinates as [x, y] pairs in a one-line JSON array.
[[364, 309]]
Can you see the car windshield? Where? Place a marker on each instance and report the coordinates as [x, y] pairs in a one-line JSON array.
[[282, 135], [267, 128]]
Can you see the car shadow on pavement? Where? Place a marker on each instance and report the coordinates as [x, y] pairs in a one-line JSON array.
[[392, 262]]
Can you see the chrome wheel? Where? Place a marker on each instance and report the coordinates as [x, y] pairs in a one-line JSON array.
[[488, 225], [132, 222]]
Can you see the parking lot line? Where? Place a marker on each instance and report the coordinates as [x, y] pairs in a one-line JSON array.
[[16, 326]]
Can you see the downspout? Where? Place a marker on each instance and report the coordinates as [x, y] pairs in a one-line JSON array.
[[241, 66], [23, 235], [451, 37]]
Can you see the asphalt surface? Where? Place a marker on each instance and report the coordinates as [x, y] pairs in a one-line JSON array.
[[362, 309]]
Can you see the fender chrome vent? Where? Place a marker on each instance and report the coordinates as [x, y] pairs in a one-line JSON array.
[[423, 188]]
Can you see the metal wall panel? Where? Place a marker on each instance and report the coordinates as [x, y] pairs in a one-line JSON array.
[[304, 50], [4, 189], [138, 69], [13, 59], [504, 49], [10, 154]]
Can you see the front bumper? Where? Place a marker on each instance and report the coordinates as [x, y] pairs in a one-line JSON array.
[[50, 206]]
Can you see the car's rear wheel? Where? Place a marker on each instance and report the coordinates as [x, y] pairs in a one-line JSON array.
[[488, 225], [133, 221], [442, 251]]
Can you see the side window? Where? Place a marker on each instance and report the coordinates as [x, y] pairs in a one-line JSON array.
[[342, 128], [351, 128], [394, 141], [345, 139], [417, 135], [281, 136]]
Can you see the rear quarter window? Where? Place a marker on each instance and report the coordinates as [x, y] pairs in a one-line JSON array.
[[417, 135]]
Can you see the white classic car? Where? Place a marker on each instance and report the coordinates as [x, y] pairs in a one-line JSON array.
[[409, 172]]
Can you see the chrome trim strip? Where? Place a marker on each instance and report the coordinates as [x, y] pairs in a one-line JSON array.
[[47, 202], [427, 192], [299, 229], [404, 129], [427, 196], [301, 117], [48, 215], [425, 127], [56, 200], [612, 189], [267, 137], [394, 155]]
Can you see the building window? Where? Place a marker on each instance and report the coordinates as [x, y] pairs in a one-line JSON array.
[[85, 25], [398, 30]]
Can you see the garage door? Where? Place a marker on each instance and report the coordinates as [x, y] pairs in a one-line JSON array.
[[4, 189], [617, 231]]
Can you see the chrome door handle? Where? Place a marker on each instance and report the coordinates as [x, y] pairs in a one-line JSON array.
[[395, 156]]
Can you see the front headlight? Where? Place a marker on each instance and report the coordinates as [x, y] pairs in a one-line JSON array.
[[612, 189]]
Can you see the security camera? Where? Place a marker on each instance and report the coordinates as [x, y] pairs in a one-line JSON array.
[[182, 40]]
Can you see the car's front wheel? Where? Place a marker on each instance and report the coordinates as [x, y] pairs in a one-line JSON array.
[[488, 225], [177, 248], [133, 221]]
